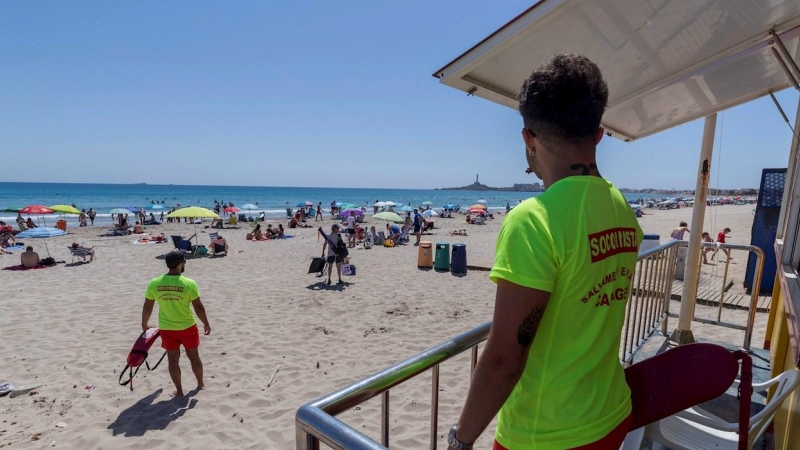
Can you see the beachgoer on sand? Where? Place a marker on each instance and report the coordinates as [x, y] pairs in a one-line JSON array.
[[29, 258], [418, 220], [92, 214], [721, 236], [551, 365], [351, 229], [333, 256], [678, 232], [174, 294], [706, 238]]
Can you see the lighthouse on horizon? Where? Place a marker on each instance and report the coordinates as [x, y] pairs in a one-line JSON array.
[[476, 180]]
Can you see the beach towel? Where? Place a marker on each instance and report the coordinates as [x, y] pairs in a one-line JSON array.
[[14, 248], [21, 267], [138, 355]]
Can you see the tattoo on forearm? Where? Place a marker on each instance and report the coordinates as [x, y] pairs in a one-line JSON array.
[[527, 330]]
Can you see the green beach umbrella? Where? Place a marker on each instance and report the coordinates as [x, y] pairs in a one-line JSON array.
[[194, 211], [65, 209], [120, 211], [389, 217], [12, 209]]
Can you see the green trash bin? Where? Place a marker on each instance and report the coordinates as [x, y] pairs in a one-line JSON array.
[[442, 259]]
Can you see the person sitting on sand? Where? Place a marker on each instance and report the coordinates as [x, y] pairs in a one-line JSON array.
[[7, 240], [271, 233], [395, 234], [138, 228], [219, 245], [469, 219], [29, 223], [293, 223], [257, 234], [85, 251], [29, 258], [281, 234], [375, 236]]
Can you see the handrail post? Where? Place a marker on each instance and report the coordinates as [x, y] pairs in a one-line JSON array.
[[722, 289], [755, 289], [434, 405], [385, 418]]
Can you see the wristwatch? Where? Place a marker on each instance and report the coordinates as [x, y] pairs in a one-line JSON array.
[[455, 443]]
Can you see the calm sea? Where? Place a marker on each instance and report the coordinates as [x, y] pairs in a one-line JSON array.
[[272, 200]]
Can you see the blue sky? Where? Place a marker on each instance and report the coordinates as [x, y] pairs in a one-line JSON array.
[[297, 93]]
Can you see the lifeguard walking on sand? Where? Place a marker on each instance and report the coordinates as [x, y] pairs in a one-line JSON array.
[[174, 293]]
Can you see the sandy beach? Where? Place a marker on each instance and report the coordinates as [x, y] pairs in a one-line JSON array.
[[70, 328]]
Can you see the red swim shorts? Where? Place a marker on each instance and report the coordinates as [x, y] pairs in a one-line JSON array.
[[612, 441], [173, 339]]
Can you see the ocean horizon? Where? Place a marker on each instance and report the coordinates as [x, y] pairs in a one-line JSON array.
[[272, 200]]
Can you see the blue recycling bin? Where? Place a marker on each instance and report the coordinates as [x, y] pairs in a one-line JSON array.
[[458, 264], [442, 257]]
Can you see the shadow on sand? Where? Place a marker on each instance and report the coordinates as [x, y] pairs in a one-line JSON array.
[[145, 415], [324, 286]]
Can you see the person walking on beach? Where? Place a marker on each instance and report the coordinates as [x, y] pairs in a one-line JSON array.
[[92, 214], [678, 232], [82, 219], [417, 226], [721, 236], [318, 216], [174, 293], [351, 229], [551, 365], [332, 257], [705, 250]]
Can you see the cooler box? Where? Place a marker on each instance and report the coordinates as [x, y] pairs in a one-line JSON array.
[[425, 255], [649, 241], [61, 225], [442, 260], [458, 264]]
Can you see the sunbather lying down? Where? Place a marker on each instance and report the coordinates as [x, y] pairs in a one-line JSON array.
[[458, 233]]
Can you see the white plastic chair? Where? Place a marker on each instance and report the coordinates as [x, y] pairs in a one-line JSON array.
[[695, 429]]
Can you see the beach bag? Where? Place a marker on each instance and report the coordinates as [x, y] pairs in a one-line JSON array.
[[49, 261], [341, 248], [317, 265], [388, 243], [348, 269], [138, 355]]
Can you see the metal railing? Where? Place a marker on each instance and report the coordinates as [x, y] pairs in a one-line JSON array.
[[648, 307], [751, 313]]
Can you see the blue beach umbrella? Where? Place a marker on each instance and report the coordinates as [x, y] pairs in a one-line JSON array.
[[405, 209], [132, 209], [41, 233], [304, 204]]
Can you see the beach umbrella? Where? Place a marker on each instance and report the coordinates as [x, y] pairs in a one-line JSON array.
[[430, 213], [120, 211], [478, 206], [41, 233], [389, 217], [36, 209], [427, 203], [450, 206], [380, 204], [304, 204], [65, 209], [483, 201], [157, 207], [231, 209], [405, 209], [390, 203], [346, 212], [476, 211], [132, 209], [194, 212], [249, 207], [12, 209]]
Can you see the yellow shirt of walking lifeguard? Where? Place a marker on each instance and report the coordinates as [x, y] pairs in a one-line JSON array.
[[579, 241]]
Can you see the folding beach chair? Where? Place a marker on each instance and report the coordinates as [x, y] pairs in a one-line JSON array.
[[80, 251], [213, 247]]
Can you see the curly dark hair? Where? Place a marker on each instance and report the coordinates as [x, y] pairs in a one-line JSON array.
[[562, 102]]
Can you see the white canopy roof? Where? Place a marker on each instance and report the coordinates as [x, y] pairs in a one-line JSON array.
[[666, 62]]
